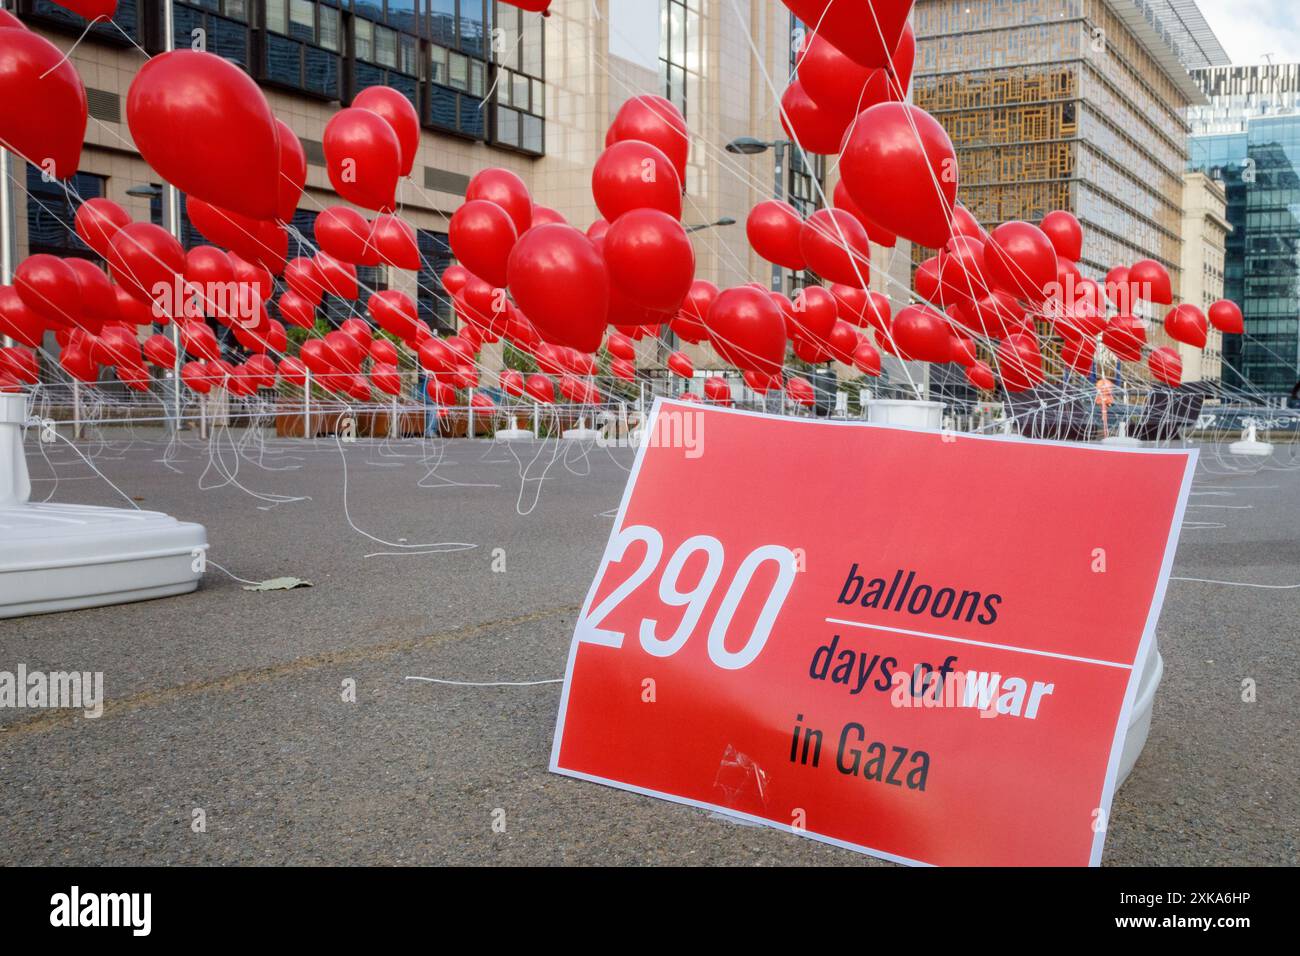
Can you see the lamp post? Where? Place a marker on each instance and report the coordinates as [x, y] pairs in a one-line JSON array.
[[749, 146], [724, 221]]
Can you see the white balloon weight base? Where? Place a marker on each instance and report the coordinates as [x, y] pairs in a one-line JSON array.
[[513, 433], [58, 557], [904, 413], [1250, 445], [581, 432]]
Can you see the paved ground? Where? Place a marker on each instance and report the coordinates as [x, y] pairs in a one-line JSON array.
[[230, 701]]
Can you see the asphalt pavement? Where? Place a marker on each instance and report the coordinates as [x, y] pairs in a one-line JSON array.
[[227, 706]]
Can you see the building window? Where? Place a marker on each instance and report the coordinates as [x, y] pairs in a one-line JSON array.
[[457, 68], [224, 24], [679, 51], [51, 209], [520, 91], [433, 305], [302, 46]]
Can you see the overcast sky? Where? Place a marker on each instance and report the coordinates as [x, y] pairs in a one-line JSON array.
[[1250, 29]]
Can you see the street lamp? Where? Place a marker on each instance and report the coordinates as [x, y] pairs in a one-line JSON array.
[[750, 146], [724, 221]]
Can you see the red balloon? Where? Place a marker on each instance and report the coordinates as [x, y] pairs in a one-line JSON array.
[[17, 320], [540, 388], [867, 31], [833, 81], [208, 266], [398, 112], [815, 128], [650, 259], [814, 312], [981, 376], [343, 233], [922, 334], [679, 363], [762, 382], [50, 288], [1225, 315], [19, 364], [860, 307], [635, 175], [98, 297], [1078, 353], [259, 241], [482, 236], [42, 103], [655, 120], [688, 323], [1019, 362], [866, 359], [800, 391], [297, 310], [1125, 336], [902, 185], [195, 375], [293, 172], [143, 256], [843, 342], [206, 127], [8, 20], [508, 191], [962, 271], [835, 247], [133, 311], [303, 278], [337, 278], [435, 356], [394, 312], [159, 350], [1149, 282], [559, 279], [1186, 323], [383, 351], [395, 242], [544, 214], [1166, 365], [1065, 234], [773, 228], [454, 278], [1019, 260], [620, 346], [745, 328], [841, 199], [386, 378], [97, 222], [363, 158], [963, 350], [717, 390]]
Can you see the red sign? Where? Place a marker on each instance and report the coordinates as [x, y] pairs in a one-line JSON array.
[[915, 644]]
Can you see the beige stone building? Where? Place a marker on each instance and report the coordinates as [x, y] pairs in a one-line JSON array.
[[1205, 231], [494, 87]]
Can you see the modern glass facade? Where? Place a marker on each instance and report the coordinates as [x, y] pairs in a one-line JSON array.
[[1258, 162]]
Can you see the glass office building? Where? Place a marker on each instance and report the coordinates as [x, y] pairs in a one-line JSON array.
[[1248, 137]]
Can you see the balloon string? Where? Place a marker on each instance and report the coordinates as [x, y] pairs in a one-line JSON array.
[[68, 53]]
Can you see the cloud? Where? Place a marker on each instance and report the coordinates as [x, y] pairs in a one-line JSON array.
[[1250, 30]]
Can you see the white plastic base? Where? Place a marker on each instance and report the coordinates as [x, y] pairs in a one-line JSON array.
[[1139, 724], [64, 557], [1122, 440], [581, 432], [56, 557], [512, 434], [1259, 449], [905, 413]]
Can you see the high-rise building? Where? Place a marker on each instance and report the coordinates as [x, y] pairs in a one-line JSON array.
[[1069, 104], [1248, 138]]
